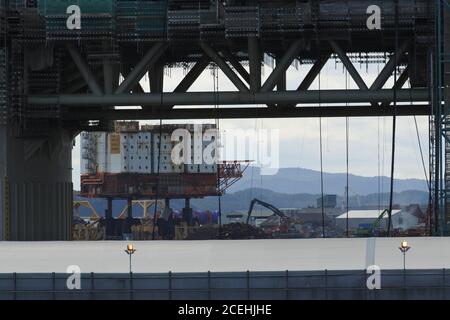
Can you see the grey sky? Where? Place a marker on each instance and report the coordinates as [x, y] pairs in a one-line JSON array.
[[369, 142]]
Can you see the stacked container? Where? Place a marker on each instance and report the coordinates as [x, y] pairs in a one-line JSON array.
[[131, 150]]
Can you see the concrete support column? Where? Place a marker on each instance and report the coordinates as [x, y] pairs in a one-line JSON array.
[[187, 211], [36, 190]]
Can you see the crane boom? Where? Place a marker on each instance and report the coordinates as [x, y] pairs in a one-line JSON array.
[[264, 204]]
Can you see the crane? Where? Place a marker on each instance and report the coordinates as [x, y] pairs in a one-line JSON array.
[[267, 205]]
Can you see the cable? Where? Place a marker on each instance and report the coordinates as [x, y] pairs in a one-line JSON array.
[[157, 178], [421, 154], [394, 123], [321, 164], [346, 158], [217, 120], [378, 158]]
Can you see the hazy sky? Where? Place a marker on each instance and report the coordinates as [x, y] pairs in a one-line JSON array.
[[369, 138]]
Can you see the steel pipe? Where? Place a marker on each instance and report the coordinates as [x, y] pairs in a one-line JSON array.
[[233, 98]]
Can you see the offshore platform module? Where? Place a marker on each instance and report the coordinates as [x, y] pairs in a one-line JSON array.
[[58, 78], [134, 162]]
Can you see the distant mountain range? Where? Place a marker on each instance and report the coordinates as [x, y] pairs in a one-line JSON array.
[[298, 180], [240, 200]]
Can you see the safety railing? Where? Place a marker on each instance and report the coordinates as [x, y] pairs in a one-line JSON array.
[[284, 285]]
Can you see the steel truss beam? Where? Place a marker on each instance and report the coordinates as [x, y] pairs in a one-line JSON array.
[[282, 66], [142, 67], [254, 56], [156, 77], [192, 75], [313, 73], [84, 69], [389, 68], [234, 98], [348, 65], [224, 67], [236, 65], [399, 84]]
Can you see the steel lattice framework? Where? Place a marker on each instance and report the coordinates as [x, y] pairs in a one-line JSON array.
[[55, 78], [71, 77]]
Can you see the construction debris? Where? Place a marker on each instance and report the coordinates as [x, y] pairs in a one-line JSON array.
[[232, 231], [88, 232]]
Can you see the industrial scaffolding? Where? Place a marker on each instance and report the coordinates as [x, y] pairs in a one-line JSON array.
[[440, 124]]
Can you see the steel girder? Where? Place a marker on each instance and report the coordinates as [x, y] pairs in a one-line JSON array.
[[233, 98], [250, 91]]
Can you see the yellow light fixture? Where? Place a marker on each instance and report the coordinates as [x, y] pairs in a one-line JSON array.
[[130, 249], [404, 246]]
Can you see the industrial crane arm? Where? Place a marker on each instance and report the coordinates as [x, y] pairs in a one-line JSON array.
[[264, 204]]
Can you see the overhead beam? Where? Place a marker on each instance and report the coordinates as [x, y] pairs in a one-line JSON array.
[[142, 67], [234, 98], [84, 69], [252, 113], [224, 67], [282, 66], [348, 65]]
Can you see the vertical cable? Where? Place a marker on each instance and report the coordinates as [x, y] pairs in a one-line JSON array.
[[321, 165], [346, 158], [394, 123], [157, 179], [216, 106], [378, 158]]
